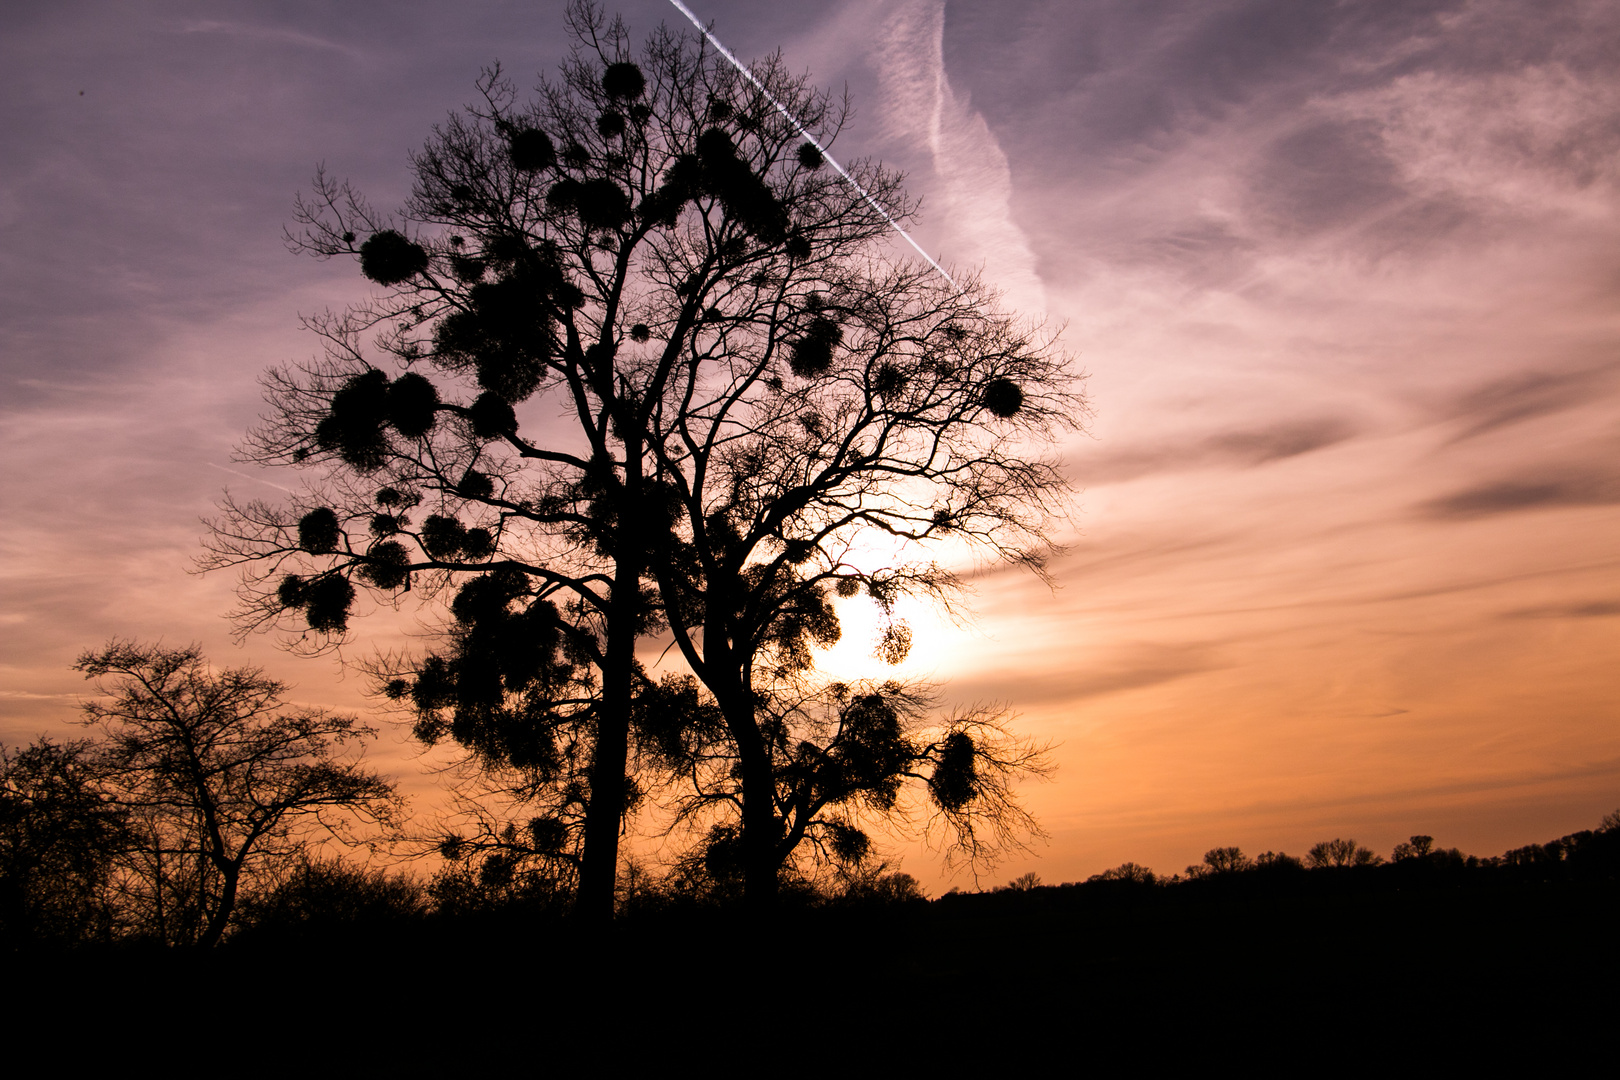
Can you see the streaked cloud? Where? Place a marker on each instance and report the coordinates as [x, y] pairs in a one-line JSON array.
[[1526, 395], [1594, 609], [1572, 485], [1344, 278], [972, 182], [279, 34], [1241, 448]]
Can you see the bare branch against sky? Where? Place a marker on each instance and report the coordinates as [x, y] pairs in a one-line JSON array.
[[1344, 278]]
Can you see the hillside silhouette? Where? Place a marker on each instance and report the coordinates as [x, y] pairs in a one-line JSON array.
[[1433, 950]]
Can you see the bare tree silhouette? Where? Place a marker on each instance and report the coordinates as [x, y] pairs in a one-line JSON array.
[[1221, 860], [1134, 873], [60, 842], [1340, 853], [217, 780], [750, 385]]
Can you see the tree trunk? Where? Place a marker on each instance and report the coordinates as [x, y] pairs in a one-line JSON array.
[[761, 838], [599, 862], [222, 911], [761, 830]]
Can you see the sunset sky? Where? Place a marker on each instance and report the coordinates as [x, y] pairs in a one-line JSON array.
[[1345, 279]]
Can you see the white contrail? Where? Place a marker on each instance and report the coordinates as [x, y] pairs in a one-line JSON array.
[[749, 75], [246, 476]]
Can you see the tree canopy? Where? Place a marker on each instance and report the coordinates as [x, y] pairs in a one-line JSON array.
[[215, 781], [60, 840], [641, 365]]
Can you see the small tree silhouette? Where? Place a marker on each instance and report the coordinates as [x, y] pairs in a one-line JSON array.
[[1221, 860], [60, 844], [1131, 872], [1417, 847], [218, 781], [1340, 853], [1025, 882]]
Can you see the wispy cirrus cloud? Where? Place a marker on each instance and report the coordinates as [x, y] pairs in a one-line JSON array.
[[1549, 487], [1589, 609], [1239, 448], [972, 182], [1344, 275], [265, 33], [1527, 395]]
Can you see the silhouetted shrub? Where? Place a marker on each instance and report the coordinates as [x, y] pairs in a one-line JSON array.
[[388, 258], [491, 416], [955, 777], [475, 485], [60, 842], [443, 537], [880, 889], [531, 150], [497, 884], [610, 125], [479, 544], [810, 157], [601, 204], [319, 532], [812, 354], [624, 80], [326, 603], [467, 269], [888, 380], [388, 565], [353, 427], [1003, 397], [328, 898]]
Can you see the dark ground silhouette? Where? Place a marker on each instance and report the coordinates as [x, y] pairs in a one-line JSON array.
[[1433, 957]]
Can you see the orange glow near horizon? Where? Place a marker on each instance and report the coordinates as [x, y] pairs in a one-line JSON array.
[[1344, 559]]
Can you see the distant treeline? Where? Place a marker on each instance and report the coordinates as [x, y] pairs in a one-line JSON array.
[[1331, 867], [1592, 854], [316, 900]]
